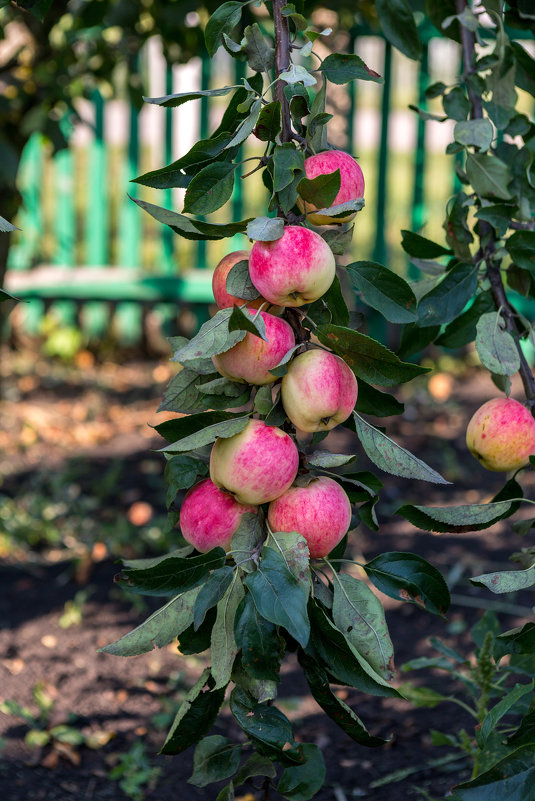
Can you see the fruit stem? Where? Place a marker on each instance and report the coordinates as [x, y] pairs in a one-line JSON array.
[[484, 229], [282, 63]]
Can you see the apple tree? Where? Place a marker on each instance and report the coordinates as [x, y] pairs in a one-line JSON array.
[[261, 570]]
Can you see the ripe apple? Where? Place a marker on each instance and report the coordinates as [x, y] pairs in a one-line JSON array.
[[320, 511], [251, 359], [351, 183], [296, 269], [256, 465], [319, 391], [209, 516], [219, 282], [501, 434]]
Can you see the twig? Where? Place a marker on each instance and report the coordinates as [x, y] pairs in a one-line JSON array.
[[282, 63]]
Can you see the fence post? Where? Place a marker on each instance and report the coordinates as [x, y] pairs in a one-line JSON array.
[[418, 204], [64, 225]]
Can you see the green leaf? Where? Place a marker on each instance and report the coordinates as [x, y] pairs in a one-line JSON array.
[[269, 123], [178, 428], [215, 758], [256, 765], [525, 734], [168, 574], [173, 101], [192, 229], [520, 640], [318, 141], [262, 647], [335, 708], [414, 340], [223, 20], [6, 227], [181, 473], [222, 386], [488, 175], [178, 173], [183, 394], [525, 68], [449, 297], [210, 188], [521, 248], [293, 548], [159, 629], [193, 641], [500, 709], [266, 726], [242, 321], [373, 401], [265, 229], [224, 429], [391, 457], [407, 577], [195, 716], [359, 615], [297, 74], [463, 329], [422, 248], [331, 307], [341, 209], [321, 190], [279, 596], [456, 104], [299, 20], [398, 24], [367, 358], [506, 581], [260, 56], [339, 239], [495, 346], [301, 782], [213, 338], [512, 778], [282, 367], [223, 645], [239, 282], [446, 519], [289, 164], [458, 234], [474, 133], [246, 127], [246, 540], [328, 459], [345, 67], [384, 290], [211, 592]]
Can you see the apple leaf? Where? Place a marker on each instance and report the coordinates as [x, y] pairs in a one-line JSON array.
[[224, 429], [268, 125], [506, 581], [449, 297], [260, 56], [341, 209], [338, 240], [282, 367], [474, 133], [422, 248], [447, 519], [391, 457], [223, 648], [181, 427], [321, 190], [463, 329], [396, 19], [239, 282], [183, 393], [359, 614], [278, 595], [333, 706], [345, 67], [521, 248], [407, 577], [265, 229], [297, 74], [181, 473], [380, 404], [304, 780], [213, 338], [172, 101], [215, 758], [246, 127], [383, 290], [169, 574], [211, 592], [331, 307], [293, 548], [195, 716], [367, 358], [488, 175], [241, 320], [159, 629], [328, 459], [190, 228], [495, 346], [262, 647], [270, 730], [221, 386], [223, 20], [210, 189]]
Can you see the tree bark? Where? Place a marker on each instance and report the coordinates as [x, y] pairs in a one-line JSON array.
[[282, 63]]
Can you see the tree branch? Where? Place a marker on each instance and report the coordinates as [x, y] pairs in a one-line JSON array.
[[282, 63], [484, 230]]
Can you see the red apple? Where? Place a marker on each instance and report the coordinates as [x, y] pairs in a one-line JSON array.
[[219, 282], [351, 183], [256, 465], [501, 434], [251, 359], [320, 511], [296, 269], [319, 391], [209, 517]]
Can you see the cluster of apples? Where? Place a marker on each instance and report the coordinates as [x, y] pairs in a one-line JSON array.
[[501, 434], [260, 464]]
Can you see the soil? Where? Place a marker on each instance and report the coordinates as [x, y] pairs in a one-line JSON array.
[[99, 413]]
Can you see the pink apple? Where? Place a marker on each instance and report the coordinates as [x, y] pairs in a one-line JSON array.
[[209, 516], [256, 465], [501, 434], [296, 269], [351, 183], [319, 391], [252, 358], [320, 511], [219, 282]]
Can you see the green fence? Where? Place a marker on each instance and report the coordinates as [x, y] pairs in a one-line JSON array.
[[90, 255]]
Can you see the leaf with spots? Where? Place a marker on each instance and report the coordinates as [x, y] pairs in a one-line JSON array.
[[195, 716], [457, 519], [262, 646], [407, 577], [294, 550]]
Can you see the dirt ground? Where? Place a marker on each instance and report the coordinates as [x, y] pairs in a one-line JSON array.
[[94, 415]]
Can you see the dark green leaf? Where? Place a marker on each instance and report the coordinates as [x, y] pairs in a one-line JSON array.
[[223, 648], [293, 548], [159, 629], [221, 386], [210, 188], [339, 239], [279, 596], [223, 20], [321, 190], [266, 726], [367, 358], [269, 122], [397, 21], [256, 765], [495, 346], [500, 709], [178, 428], [474, 133], [6, 296], [178, 174], [456, 104], [211, 592], [383, 290], [444, 519], [414, 340], [458, 234], [215, 758], [463, 329], [331, 307], [373, 401], [241, 320], [407, 577], [512, 778], [282, 367], [224, 429], [239, 283], [318, 141], [506, 581], [289, 163], [525, 734], [301, 782], [247, 126], [391, 457], [260, 56], [193, 641], [169, 574], [525, 68], [488, 175], [213, 338], [195, 716], [231, 116], [422, 248], [266, 229], [517, 641], [262, 647], [449, 297], [181, 473], [521, 248], [192, 229], [345, 67], [172, 101], [183, 394]]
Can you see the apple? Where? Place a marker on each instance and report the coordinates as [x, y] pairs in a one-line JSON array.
[[319, 391], [251, 359], [296, 269], [256, 465], [219, 282], [501, 434], [351, 183], [209, 516], [320, 511]]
